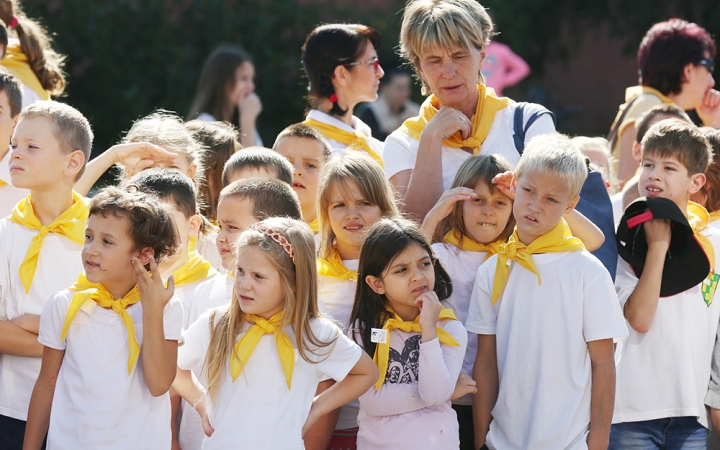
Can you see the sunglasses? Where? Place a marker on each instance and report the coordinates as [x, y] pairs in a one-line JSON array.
[[375, 62], [708, 63]]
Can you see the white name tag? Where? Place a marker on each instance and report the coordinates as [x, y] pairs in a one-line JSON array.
[[378, 335]]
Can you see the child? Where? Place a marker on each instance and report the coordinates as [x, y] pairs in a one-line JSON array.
[[709, 194], [418, 344], [261, 358], [257, 162], [10, 105], [111, 339], [221, 142], [663, 368], [562, 330], [307, 150], [597, 150], [50, 145]]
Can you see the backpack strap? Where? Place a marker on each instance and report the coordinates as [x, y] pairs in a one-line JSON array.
[[520, 129]]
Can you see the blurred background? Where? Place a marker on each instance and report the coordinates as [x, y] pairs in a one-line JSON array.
[[129, 57]]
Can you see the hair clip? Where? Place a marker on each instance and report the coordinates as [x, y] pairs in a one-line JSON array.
[[13, 22], [275, 236], [333, 98]]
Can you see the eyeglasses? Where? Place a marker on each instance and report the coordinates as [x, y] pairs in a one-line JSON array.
[[708, 63], [374, 61]]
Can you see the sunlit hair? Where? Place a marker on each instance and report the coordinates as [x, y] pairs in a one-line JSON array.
[[269, 197], [590, 146], [340, 171], [677, 139], [167, 185], [649, 118], [554, 154], [387, 239], [477, 169], [258, 158], [300, 130], [299, 285], [443, 24], [711, 188], [13, 89]]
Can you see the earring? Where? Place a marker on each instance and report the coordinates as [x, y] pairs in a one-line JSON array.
[[424, 89]]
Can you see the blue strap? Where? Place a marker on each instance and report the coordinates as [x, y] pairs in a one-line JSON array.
[[519, 130]]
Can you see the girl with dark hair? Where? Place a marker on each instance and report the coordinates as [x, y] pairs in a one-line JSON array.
[[342, 66], [417, 343], [226, 92]]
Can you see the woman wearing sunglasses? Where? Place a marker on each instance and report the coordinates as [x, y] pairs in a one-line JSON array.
[[675, 64], [341, 63]]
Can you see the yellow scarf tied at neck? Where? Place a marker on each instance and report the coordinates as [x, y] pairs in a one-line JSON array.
[[559, 239], [355, 140], [195, 269], [488, 106], [698, 217], [85, 290], [453, 238], [382, 350], [3, 183], [713, 216], [314, 225], [334, 267], [17, 63], [246, 345], [70, 224]]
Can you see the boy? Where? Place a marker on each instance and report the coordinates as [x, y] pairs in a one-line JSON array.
[[307, 150], [663, 368], [254, 162], [10, 106], [40, 246], [544, 366]]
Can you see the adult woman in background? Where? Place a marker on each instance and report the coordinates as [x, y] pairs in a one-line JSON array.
[[342, 66], [393, 105], [445, 41]]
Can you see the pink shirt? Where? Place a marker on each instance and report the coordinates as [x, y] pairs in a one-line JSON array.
[[503, 68]]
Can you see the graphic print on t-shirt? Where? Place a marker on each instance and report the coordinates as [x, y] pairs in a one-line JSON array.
[[403, 368]]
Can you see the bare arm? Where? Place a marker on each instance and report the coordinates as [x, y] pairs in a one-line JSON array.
[[28, 322], [250, 107], [319, 435], [485, 374], [16, 341], [189, 389], [628, 164], [602, 397], [42, 397], [582, 228], [444, 207]]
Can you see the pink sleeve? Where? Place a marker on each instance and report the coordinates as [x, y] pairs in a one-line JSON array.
[[512, 68]]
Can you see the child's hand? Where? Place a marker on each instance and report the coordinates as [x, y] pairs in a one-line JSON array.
[[505, 182], [444, 207], [138, 156], [28, 322], [658, 233], [430, 307], [201, 408], [465, 385], [153, 294]]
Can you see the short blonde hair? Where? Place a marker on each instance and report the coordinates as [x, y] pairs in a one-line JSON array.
[[554, 153], [443, 24]]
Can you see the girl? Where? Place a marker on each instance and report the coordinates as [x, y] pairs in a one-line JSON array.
[[226, 92], [261, 358], [341, 63], [417, 343], [111, 339]]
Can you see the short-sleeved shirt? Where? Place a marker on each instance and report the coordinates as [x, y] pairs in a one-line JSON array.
[[97, 404]]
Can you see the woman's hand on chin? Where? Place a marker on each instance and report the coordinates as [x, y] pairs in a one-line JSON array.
[[447, 122]]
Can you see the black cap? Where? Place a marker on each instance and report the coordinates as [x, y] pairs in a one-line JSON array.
[[686, 264]]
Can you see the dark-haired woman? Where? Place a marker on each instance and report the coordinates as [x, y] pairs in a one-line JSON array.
[[342, 66]]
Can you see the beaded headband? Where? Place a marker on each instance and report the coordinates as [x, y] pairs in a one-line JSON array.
[[277, 237]]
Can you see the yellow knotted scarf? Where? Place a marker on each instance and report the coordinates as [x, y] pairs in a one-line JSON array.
[[334, 267], [70, 224], [355, 140], [488, 105], [382, 350], [247, 343], [17, 63], [2, 183], [85, 290], [314, 225], [698, 217], [195, 269], [713, 216], [559, 239], [453, 238]]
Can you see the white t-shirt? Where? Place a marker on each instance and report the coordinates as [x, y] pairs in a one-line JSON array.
[[412, 408], [210, 293], [9, 194], [666, 371], [401, 150], [715, 224], [357, 124], [542, 333], [207, 248], [258, 409], [58, 266], [97, 404], [192, 293], [462, 265]]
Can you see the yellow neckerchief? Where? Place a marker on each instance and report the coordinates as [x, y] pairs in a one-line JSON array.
[[70, 224], [192, 243], [17, 63], [714, 216], [634, 91], [453, 238], [314, 225], [195, 269], [559, 239], [698, 217], [355, 140], [382, 350], [488, 105], [85, 290], [3, 183], [334, 267], [247, 343]]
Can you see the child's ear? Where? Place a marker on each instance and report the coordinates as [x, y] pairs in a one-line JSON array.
[[75, 162], [636, 151], [573, 203], [146, 255], [192, 168], [375, 284], [195, 225], [697, 181]]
